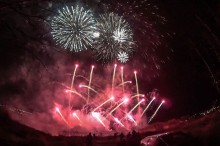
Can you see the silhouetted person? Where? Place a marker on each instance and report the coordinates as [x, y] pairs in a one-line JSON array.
[[135, 139], [134, 133], [89, 140], [94, 135], [115, 135], [129, 135], [121, 136], [122, 141], [138, 139]]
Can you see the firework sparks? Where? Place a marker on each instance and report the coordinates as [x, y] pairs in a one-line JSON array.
[[137, 88], [124, 101], [75, 115], [113, 78], [90, 80], [126, 82], [122, 79], [151, 118], [89, 88], [73, 28], [148, 106], [123, 57], [144, 18], [115, 36], [58, 111], [97, 107], [97, 117], [110, 99], [71, 87], [137, 95], [119, 122], [131, 118], [77, 93], [135, 106]]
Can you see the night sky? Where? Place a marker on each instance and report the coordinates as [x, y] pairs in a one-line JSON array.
[[188, 81]]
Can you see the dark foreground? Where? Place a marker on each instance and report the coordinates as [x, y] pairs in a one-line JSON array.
[[203, 130]]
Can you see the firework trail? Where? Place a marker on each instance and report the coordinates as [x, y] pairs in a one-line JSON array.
[[137, 95], [124, 101], [113, 78], [58, 111], [110, 99], [75, 115], [90, 79], [14, 109], [77, 93], [151, 118], [135, 106], [89, 88], [147, 106], [97, 117], [137, 88], [71, 87], [122, 79], [132, 119], [73, 77], [119, 122], [126, 82]]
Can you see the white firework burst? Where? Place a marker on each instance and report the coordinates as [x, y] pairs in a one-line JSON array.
[[115, 35], [73, 28], [122, 57]]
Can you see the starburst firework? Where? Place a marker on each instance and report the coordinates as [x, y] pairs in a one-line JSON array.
[[73, 28], [115, 36], [122, 57], [150, 31]]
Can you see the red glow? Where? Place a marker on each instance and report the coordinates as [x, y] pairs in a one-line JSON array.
[[115, 65], [76, 65], [80, 85], [93, 66], [163, 101], [135, 72], [122, 67]]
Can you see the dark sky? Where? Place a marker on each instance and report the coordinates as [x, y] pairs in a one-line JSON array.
[[186, 81]]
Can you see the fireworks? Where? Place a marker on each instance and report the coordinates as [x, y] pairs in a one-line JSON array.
[[115, 36], [97, 116], [151, 118], [109, 35], [150, 32], [116, 32], [122, 57], [109, 105], [74, 28], [117, 121], [148, 106]]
